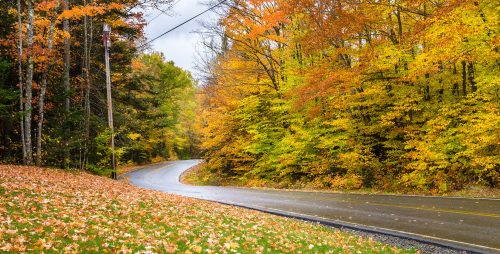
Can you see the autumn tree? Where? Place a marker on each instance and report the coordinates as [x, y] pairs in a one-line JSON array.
[[58, 54], [384, 94]]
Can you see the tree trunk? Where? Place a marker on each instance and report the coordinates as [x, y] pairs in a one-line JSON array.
[[66, 83], [464, 78], [67, 58], [472, 75], [88, 37], [29, 83], [41, 98], [20, 73], [7, 126], [400, 25]]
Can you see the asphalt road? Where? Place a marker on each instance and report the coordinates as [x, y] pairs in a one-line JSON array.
[[462, 222]]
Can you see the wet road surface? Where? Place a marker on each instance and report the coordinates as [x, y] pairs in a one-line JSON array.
[[472, 223]]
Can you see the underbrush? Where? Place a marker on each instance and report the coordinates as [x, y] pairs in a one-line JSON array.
[[201, 175]]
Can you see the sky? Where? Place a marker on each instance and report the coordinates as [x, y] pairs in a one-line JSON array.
[[180, 45]]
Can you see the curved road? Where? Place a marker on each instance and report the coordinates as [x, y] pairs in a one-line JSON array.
[[472, 224]]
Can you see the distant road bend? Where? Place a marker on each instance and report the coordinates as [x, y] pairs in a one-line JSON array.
[[469, 224]]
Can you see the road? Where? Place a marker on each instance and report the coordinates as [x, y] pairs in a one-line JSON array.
[[469, 223]]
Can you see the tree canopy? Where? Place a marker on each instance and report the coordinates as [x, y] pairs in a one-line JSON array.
[[349, 94], [52, 86]]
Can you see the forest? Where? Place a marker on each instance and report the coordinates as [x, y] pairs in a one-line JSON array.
[[384, 94], [396, 95], [53, 109]]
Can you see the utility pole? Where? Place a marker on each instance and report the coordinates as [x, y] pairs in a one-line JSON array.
[[107, 45]]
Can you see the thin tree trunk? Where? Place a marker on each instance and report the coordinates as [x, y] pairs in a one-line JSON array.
[[66, 82], [400, 25], [464, 78], [67, 59], [472, 80], [87, 49], [455, 89], [41, 99], [29, 83], [20, 73]]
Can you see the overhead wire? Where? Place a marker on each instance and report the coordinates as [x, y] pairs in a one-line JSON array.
[[163, 12], [183, 23]]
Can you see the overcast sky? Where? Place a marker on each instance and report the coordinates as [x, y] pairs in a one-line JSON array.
[[179, 45]]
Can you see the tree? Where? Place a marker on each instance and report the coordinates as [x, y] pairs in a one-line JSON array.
[[48, 64], [29, 83], [68, 134], [369, 94], [156, 101], [20, 74]]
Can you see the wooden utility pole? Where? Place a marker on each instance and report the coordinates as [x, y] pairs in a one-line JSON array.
[[107, 45]]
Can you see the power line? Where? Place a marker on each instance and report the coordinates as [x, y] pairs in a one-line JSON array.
[[183, 23], [163, 12]]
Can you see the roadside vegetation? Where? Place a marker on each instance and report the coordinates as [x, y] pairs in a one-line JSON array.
[[47, 210], [399, 96], [200, 176], [52, 94]]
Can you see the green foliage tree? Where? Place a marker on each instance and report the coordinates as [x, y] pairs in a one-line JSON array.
[[156, 111]]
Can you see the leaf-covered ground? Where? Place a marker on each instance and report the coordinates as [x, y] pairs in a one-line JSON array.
[[55, 211]]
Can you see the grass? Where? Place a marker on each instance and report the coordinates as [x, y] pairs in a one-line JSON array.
[[52, 211], [200, 177]]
